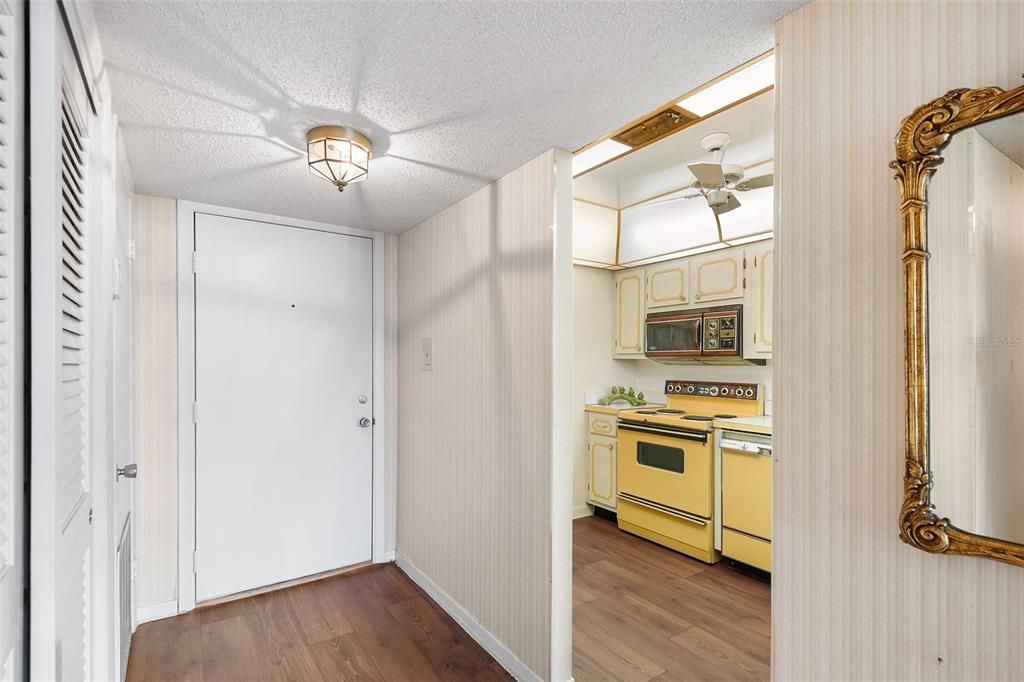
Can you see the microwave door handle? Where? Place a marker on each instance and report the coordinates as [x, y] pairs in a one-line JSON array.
[[700, 334]]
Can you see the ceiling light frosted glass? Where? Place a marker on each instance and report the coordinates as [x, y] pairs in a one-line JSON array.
[[596, 155], [754, 78], [338, 154]]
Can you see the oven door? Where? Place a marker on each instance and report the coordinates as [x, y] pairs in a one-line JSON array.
[[667, 468], [674, 336]]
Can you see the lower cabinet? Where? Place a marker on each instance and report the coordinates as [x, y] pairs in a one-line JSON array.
[[601, 465]]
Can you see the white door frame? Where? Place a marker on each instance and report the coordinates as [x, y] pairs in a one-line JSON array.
[[384, 384]]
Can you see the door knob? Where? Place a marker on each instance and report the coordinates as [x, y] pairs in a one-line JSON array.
[[128, 471], [365, 421]]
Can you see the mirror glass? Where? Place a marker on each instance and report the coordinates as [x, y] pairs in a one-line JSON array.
[[976, 329]]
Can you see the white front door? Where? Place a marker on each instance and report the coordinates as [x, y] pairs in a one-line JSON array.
[[284, 353]]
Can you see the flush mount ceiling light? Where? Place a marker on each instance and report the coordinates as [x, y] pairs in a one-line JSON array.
[[339, 154]]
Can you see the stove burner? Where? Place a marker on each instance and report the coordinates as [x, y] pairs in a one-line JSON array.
[[725, 416], [647, 412], [700, 417], [666, 410]]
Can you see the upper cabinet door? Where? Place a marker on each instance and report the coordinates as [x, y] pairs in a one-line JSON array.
[[668, 284], [718, 276], [629, 313], [764, 273]]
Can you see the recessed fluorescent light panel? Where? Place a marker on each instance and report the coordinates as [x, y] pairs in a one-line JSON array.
[[596, 155], [755, 77]]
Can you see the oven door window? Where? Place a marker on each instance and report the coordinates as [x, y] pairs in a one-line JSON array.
[[659, 456]]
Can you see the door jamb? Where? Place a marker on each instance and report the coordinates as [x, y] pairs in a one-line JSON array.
[[384, 283]]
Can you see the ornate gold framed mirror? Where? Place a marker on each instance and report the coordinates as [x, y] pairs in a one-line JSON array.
[[963, 261]]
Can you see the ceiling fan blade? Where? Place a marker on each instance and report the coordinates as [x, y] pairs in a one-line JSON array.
[[707, 174], [731, 205], [757, 183]]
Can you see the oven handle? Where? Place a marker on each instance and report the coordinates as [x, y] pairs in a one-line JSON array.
[[703, 438], [633, 499]]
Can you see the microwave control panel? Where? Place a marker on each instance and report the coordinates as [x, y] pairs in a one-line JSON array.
[[712, 389], [720, 331]]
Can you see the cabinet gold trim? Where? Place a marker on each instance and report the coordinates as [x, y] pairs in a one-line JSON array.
[[921, 137]]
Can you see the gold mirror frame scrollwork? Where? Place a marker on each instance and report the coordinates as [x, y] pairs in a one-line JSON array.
[[921, 138]]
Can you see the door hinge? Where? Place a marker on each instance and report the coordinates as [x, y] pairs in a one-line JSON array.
[[90, 516], [744, 262], [755, 337], [135, 569], [195, 411], [195, 562], [195, 260], [744, 282], [131, 249]]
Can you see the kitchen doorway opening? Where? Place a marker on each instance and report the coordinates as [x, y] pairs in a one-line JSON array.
[[673, 271]]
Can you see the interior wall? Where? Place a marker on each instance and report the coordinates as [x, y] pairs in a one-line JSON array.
[[475, 430], [594, 368], [155, 404], [850, 600]]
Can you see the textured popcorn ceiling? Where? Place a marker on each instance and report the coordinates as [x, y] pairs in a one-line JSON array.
[[215, 97]]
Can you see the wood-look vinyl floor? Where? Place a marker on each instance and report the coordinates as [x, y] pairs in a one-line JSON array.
[[643, 612], [374, 624]]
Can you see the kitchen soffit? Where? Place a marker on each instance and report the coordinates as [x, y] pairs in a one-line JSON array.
[[215, 102]]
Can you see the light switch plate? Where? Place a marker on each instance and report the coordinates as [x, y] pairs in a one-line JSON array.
[[426, 355]]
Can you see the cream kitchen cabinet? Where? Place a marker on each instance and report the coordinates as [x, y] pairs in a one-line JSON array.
[[718, 276], [630, 310], [668, 284], [759, 302], [602, 464], [601, 460]]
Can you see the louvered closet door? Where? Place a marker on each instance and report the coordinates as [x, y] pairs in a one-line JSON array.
[[74, 504], [10, 557]]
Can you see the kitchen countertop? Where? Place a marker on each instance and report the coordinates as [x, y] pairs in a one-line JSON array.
[[761, 424]]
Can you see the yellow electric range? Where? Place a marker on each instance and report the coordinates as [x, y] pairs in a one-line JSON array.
[[666, 463]]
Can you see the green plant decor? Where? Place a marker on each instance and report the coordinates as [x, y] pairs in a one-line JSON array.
[[622, 393]]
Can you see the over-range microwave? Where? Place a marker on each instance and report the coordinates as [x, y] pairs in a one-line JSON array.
[[705, 333]]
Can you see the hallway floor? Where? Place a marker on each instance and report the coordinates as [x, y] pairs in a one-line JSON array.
[[643, 612], [373, 624]]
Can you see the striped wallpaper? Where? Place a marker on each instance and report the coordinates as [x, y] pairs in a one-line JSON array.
[[155, 401], [850, 600], [474, 440]]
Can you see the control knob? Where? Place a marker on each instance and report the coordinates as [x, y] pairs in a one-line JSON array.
[[713, 390], [690, 389]]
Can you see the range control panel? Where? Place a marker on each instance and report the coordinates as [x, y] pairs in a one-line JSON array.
[[709, 389]]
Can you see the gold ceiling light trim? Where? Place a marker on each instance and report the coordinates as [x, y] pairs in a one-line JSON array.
[[339, 154], [919, 144]]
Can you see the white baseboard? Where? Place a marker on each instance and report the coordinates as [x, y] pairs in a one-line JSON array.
[[159, 611], [580, 512], [501, 653]]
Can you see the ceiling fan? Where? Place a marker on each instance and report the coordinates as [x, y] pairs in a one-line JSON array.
[[718, 182]]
